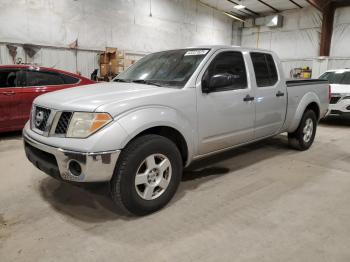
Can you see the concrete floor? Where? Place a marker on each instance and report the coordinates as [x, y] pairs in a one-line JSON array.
[[262, 202]]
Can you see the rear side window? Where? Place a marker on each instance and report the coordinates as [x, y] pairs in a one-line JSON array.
[[265, 69], [69, 79], [42, 78]]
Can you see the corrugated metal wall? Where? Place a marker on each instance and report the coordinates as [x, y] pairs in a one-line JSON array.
[[138, 26], [297, 43]]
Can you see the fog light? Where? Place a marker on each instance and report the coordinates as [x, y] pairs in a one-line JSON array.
[[348, 108], [74, 168]]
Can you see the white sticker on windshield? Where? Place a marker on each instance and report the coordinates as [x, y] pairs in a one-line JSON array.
[[197, 52]]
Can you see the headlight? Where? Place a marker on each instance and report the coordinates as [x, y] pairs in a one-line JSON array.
[[83, 124]]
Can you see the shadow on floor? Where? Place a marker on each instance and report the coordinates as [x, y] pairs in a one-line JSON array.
[[91, 203], [11, 135], [336, 121]]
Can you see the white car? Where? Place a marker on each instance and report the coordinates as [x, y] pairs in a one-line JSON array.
[[340, 91]]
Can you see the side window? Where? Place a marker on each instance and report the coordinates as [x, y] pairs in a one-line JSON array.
[[9, 78], [69, 79], [265, 69], [230, 64], [41, 78]]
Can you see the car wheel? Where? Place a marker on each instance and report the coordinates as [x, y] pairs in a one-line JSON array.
[[304, 136], [147, 175]]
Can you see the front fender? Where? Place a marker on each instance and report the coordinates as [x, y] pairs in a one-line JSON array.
[[138, 120], [306, 100]]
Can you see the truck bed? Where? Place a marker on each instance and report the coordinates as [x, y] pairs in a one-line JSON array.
[[298, 93]]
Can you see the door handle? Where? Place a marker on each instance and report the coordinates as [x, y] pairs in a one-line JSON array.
[[248, 98], [8, 93], [279, 93]]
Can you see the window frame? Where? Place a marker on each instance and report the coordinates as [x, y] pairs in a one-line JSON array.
[[224, 89], [272, 83]]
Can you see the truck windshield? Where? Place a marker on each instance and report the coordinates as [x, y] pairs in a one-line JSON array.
[[337, 77], [167, 69]]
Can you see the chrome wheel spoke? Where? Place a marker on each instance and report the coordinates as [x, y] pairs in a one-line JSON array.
[[148, 193], [141, 179], [163, 183], [150, 162], [164, 165], [305, 129]]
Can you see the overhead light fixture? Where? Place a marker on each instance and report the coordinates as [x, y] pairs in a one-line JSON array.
[[234, 17], [239, 7]]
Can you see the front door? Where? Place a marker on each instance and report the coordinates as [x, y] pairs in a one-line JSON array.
[[226, 114], [9, 86]]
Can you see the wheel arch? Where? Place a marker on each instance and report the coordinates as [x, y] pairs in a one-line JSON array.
[[172, 134], [309, 101], [162, 121]]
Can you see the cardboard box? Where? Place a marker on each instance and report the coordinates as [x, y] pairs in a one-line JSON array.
[[111, 50], [117, 70], [128, 62], [116, 62], [104, 69], [104, 58]]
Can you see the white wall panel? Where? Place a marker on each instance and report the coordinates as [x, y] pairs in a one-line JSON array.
[[341, 33], [116, 23], [125, 24], [298, 38]]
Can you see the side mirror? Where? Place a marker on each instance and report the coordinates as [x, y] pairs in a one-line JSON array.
[[218, 81], [222, 80]]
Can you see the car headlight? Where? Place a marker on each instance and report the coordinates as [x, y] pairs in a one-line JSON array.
[[84, 124]]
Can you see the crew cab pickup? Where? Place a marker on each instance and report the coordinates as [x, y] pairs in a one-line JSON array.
[[164, 112]]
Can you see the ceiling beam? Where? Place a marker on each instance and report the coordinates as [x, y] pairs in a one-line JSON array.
[[264, 3], [319, 4], [295, 3], [327, 25], [249, 10]]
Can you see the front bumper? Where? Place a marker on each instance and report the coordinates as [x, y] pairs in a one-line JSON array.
[[56, 162], [341, 108]]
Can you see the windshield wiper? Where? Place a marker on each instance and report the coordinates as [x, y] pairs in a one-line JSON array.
[[147, 82], [120, 80]]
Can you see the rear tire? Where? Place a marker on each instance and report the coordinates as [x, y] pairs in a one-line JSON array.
[[147, 175], [304, 136]]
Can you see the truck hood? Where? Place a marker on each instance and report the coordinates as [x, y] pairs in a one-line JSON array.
[[340, 89], [89, 98]]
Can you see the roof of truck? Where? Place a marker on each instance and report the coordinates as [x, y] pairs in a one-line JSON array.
[[217, 47], [339, 70]]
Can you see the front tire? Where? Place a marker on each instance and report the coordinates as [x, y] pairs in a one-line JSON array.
[[304, 136], [147, 175]]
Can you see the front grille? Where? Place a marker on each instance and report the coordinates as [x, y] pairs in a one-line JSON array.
[[63, 123], [40, 117], [334, 99]]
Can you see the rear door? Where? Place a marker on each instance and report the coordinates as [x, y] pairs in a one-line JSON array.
[[10, 84], [271, 95]]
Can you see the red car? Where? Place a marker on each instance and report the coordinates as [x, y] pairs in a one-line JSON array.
[[20, 84]]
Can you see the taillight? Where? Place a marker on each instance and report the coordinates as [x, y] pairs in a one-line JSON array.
[[329, 93]]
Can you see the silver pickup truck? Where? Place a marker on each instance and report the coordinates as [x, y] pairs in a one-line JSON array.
[[165, 111]]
